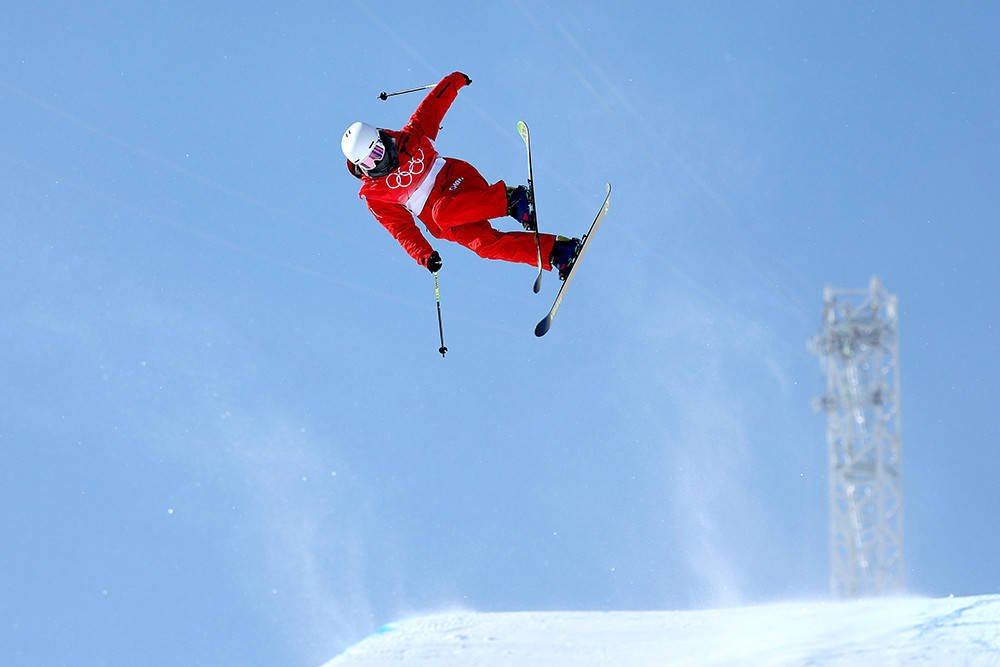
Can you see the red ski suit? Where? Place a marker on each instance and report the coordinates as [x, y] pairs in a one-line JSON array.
[[449, 196]]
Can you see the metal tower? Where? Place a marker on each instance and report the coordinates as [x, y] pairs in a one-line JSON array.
[[858, 348]]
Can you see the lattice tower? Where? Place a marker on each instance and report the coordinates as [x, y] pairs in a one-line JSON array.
[[858, 347]]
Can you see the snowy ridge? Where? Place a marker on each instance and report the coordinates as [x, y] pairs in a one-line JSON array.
[[900, 631]]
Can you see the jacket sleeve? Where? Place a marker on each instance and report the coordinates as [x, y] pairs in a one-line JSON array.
[[398, 221], [428, 116]]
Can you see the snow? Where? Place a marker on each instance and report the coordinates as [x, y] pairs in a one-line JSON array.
[[896, 631]]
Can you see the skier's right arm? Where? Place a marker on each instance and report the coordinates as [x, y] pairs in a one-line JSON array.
[[399, 222]]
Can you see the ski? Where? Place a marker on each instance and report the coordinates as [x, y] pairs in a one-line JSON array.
[[522, 129], [543, 327]]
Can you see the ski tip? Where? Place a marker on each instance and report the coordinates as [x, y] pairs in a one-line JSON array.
[[537, 287], [542, 327]]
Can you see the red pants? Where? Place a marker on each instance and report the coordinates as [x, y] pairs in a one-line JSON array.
[[459, 208]]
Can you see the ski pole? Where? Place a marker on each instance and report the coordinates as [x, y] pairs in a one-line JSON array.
[[384, 95], [437, 296]]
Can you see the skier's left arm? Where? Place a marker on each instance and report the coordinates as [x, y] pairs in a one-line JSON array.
[[428, 116]]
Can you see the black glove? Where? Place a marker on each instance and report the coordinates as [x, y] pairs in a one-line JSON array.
[[434, 262], [467, 79]]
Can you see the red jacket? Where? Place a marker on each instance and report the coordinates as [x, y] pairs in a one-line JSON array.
[[395, 198]]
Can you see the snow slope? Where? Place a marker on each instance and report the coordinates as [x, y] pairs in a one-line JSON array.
[[902, 631]]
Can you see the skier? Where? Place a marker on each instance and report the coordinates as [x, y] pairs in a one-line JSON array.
[[402, 175]]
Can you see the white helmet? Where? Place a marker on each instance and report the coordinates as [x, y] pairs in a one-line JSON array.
[[362, 145]]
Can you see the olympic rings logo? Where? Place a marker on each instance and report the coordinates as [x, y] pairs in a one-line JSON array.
[[404, 178]]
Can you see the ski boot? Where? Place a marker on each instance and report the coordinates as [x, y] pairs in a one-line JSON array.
[[518, 207], [564, 254]]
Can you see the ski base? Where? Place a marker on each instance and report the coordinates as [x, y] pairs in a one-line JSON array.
[[543, 327], [522, 129]]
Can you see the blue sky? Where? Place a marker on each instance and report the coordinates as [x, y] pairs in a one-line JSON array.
[[229, 437]]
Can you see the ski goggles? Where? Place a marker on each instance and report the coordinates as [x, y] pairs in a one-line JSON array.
[[376, 154]]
